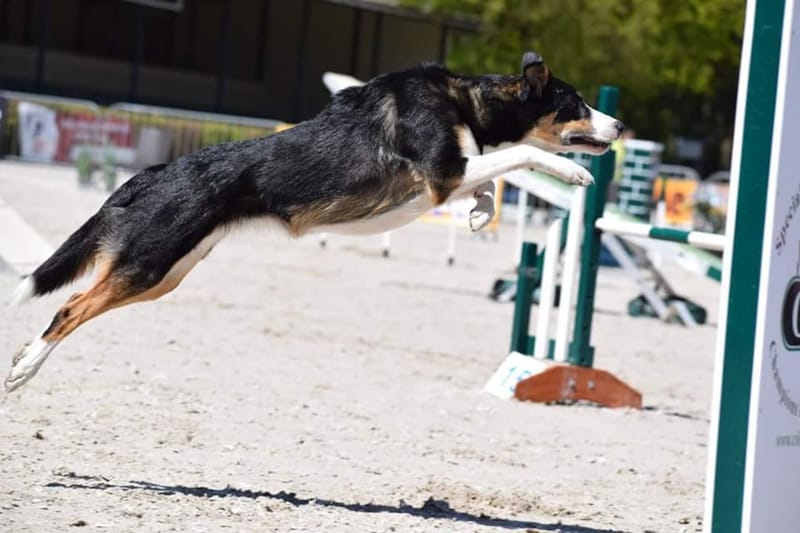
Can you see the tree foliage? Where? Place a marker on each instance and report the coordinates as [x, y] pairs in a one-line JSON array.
[[675, 62]]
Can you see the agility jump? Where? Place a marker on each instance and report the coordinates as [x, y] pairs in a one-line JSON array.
[[709, 241], [755, 418]]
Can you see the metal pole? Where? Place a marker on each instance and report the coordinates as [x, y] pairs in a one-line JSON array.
[[262, 56], [4, 19], [355, 41], [44, 39], [138, 46], [377, 37], [709, 241], [444, 33], [302, 51], [222, 70]]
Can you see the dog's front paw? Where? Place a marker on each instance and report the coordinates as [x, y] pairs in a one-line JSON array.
[[582, 177], [570, 172]]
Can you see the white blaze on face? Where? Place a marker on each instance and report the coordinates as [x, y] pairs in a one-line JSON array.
[[604, 127]]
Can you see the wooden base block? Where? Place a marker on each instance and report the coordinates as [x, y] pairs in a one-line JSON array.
[[560, 382]]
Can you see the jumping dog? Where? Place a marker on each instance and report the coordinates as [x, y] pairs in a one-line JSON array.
[[376, 158]]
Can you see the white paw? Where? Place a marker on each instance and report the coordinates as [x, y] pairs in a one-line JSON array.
[[483, 212], [570, 172], [26, 363], [479, 219]]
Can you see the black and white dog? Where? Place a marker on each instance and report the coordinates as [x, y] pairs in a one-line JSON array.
[[379, 156]]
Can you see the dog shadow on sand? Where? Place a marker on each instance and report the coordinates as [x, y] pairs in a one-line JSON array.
[[432, 509]]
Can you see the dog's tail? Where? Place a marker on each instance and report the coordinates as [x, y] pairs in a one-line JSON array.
[[71, 260]]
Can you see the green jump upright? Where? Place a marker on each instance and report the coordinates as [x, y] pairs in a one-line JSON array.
[[581, 352], [527, 278]]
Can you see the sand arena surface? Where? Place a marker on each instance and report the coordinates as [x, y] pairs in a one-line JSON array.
[[283, 387]]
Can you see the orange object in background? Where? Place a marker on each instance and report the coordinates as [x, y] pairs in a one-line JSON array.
[[678, 195]]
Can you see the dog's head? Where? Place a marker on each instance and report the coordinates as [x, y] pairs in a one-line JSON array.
[[555, 117]]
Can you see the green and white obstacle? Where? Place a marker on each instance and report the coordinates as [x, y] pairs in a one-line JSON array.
[[752, 481], [640, 163], [639, 256], [709, 241], [544, 377], [682, 248]]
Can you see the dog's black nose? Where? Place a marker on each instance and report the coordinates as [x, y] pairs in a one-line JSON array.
[[619, 125]]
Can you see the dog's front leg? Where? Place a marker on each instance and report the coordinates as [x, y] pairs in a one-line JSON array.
[[481, 169]]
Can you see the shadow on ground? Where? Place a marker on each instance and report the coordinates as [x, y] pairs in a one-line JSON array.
[[432, 509]]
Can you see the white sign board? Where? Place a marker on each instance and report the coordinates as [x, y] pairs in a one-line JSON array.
[[772, 469], [38, 132], [514, 369]]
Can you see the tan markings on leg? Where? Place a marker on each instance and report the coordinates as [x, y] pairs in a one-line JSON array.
[[111, 290], [77, 310], [109, 293], [85, 306]]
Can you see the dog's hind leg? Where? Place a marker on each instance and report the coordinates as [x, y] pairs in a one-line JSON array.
[[109, 291], [116, 286]]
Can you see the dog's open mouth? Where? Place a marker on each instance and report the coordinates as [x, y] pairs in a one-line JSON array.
[[586, 140]]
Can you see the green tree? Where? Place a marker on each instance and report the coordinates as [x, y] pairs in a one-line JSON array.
[[675, 62]]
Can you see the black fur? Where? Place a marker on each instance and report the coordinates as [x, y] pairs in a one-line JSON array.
[[69, 261]]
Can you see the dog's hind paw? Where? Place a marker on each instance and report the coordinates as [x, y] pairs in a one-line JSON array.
[[26, 363], [479, 219], [483, 212]]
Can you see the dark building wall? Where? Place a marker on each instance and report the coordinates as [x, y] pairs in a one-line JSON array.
[[250, 57]]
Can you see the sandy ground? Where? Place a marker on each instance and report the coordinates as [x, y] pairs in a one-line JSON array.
[[287, 388]]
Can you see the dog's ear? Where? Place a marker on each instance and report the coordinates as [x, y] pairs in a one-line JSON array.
[[536, 75]]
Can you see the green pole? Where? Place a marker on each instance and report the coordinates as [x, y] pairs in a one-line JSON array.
[[745, 266], [526, 282], [581, 352]]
